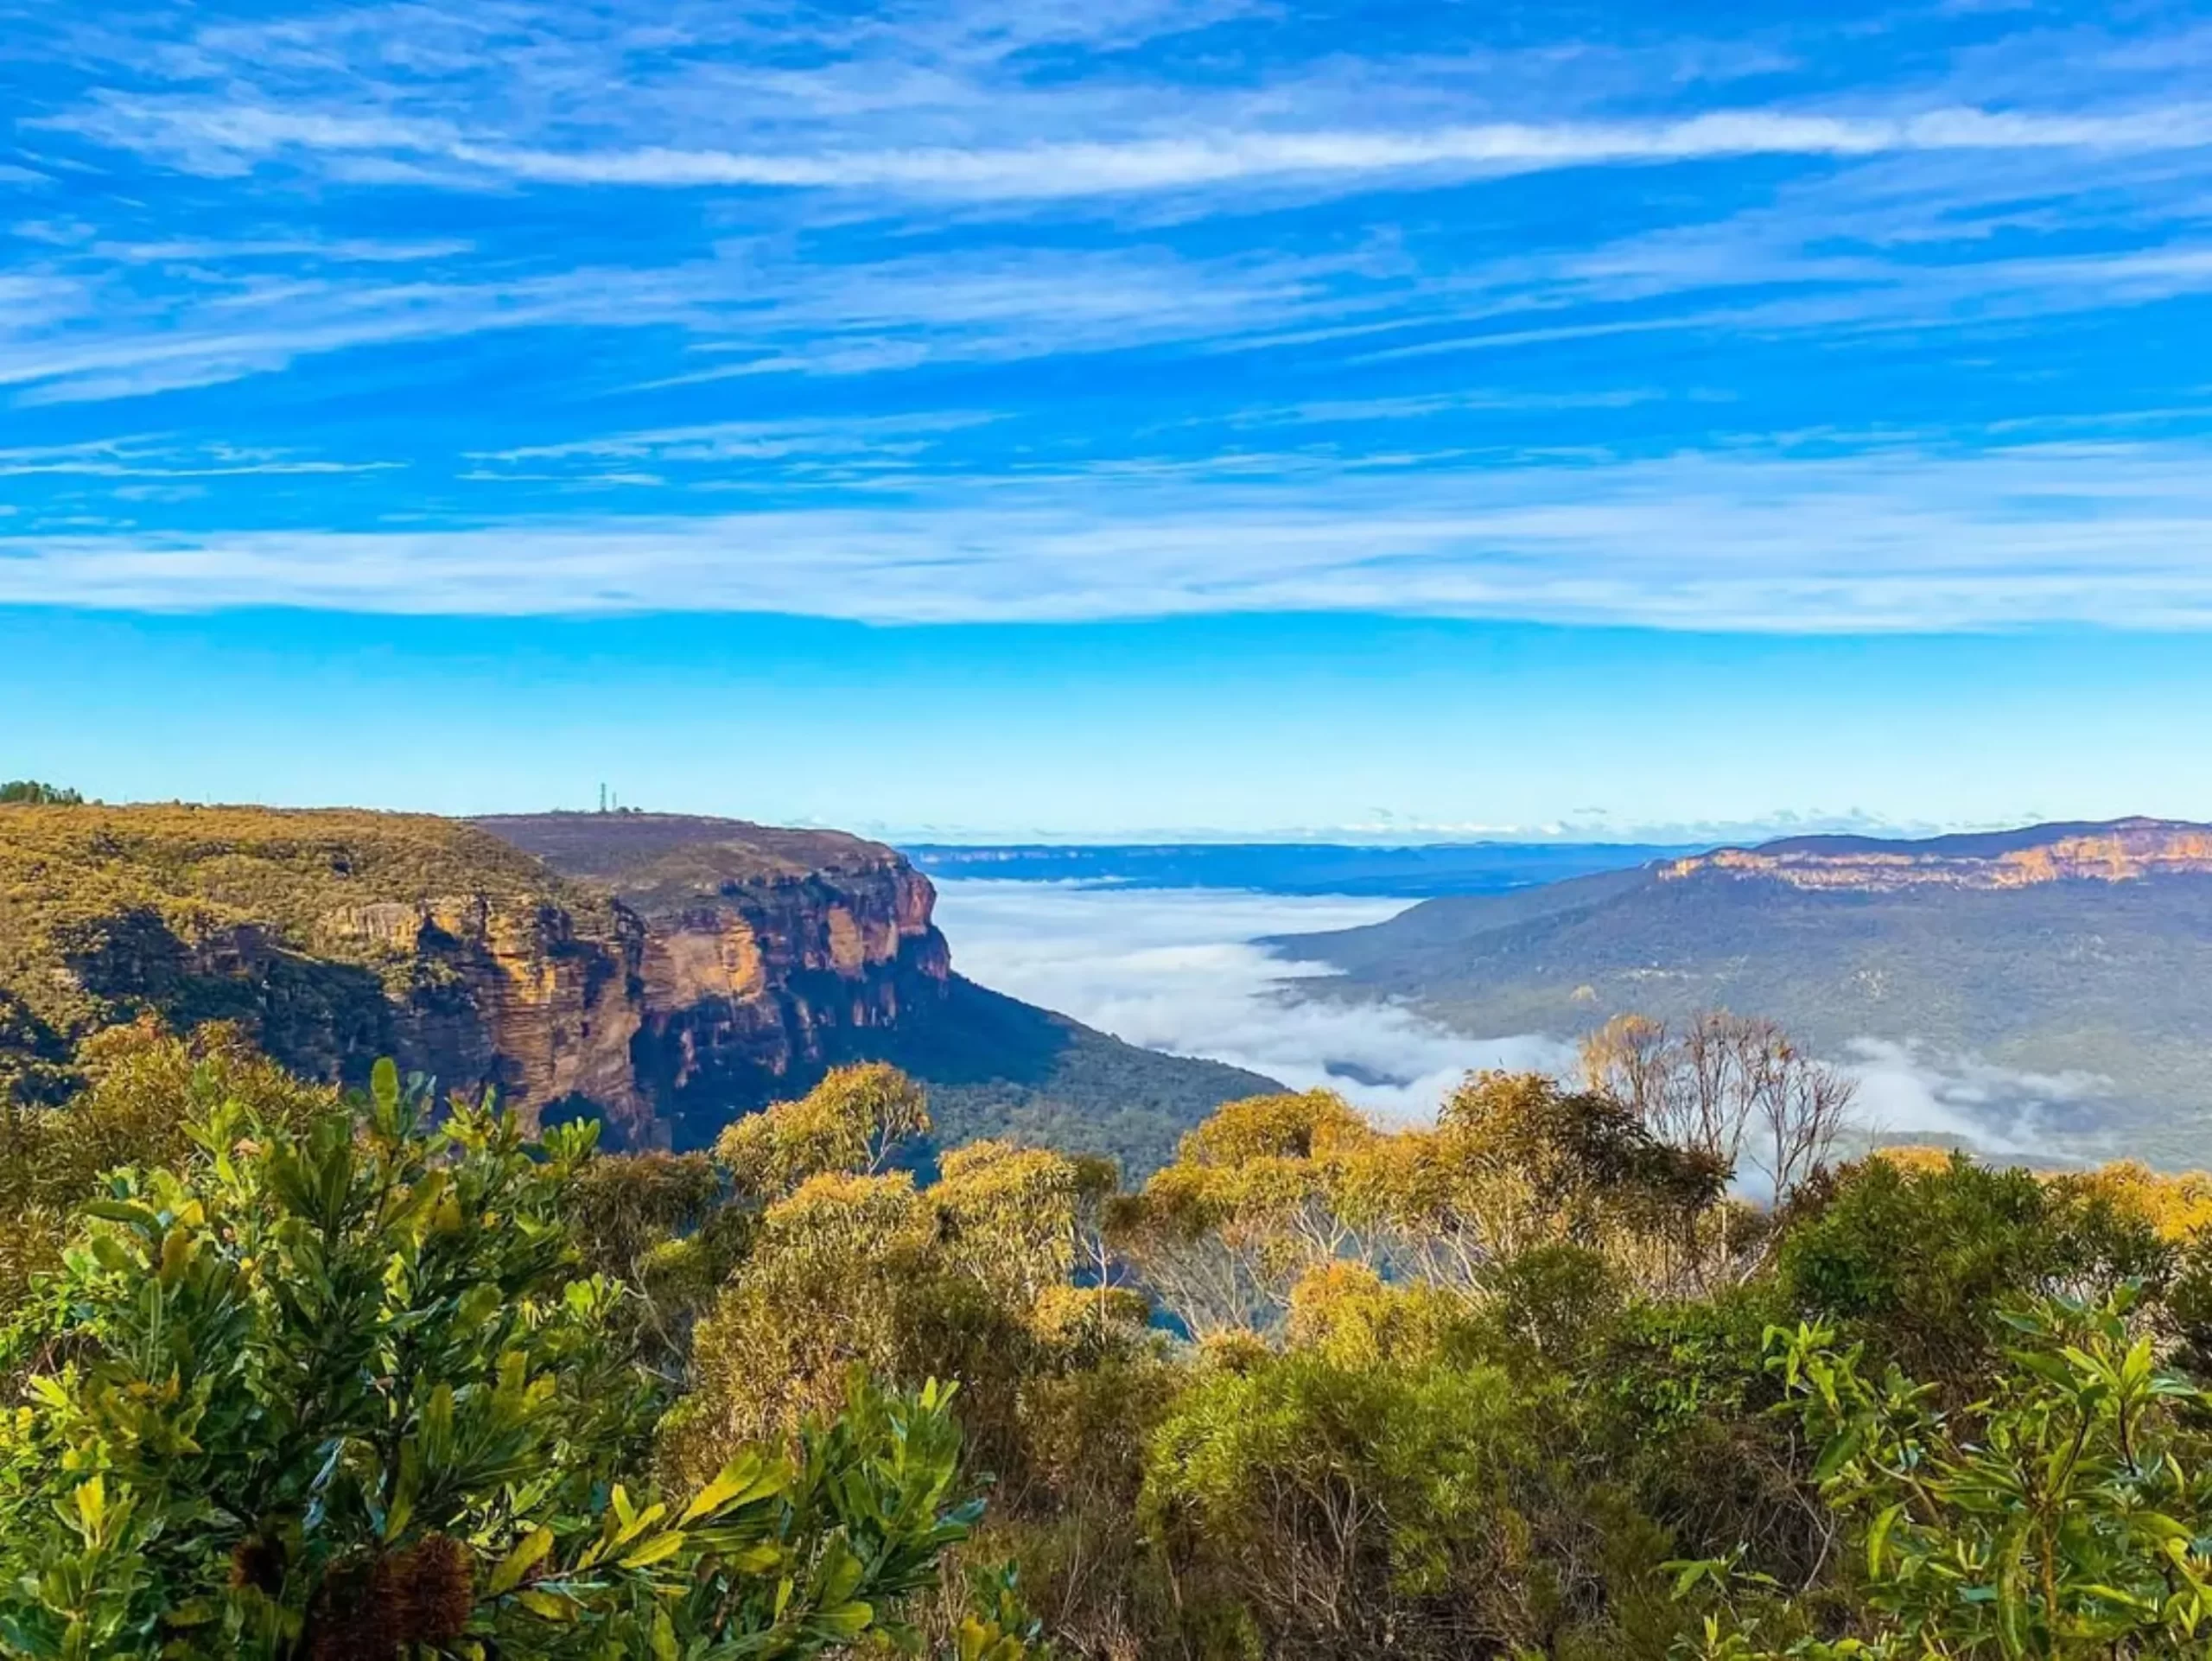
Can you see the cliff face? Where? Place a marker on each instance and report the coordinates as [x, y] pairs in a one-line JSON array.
[[512, 996], [764, 951], [669, 972], [2124, 851], [333, 937]]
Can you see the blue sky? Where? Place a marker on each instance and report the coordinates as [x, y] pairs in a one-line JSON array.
[[990, 418]]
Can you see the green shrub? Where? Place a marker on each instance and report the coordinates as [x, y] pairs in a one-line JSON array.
[[340, 1389], [2065, 1513], [1417, 1507], [1919, 1262]]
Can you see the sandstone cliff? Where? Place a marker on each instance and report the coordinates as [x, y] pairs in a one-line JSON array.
[[663, 972], [764, 950], [2044, 987]]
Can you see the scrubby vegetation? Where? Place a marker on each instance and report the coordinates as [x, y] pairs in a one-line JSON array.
[[297, 1376]]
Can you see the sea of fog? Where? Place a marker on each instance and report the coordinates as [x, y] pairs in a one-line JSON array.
[[1176, 970], [1179, 969]]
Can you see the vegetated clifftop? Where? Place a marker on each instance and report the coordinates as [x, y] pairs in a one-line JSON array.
[[335, 936], [2057, 950], [671, 972]]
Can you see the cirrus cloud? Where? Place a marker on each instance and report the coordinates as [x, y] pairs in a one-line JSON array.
[[2106, 534]]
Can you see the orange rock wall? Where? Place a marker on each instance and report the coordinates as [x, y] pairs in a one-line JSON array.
[[2124, 854], [749, 987], [515, 999]]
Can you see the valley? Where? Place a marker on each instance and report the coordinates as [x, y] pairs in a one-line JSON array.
[[2058, 971]]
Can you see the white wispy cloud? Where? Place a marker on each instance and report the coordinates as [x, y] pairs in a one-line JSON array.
[[153, 457], [78, 340], [722, 441], [1207, 231], [2112, 535], [197, 251], [1907, 1093], [1178, 970], [914, 115], [226, 138]]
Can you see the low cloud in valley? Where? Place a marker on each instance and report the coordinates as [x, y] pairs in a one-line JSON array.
[[1176, 970]]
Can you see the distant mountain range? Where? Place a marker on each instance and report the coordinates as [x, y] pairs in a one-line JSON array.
[[2057, 951], [1288, 868]]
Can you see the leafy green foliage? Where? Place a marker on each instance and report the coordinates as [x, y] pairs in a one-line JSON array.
[[2066, 1514], [1920, 1261], [31, 793], [339, 1388], [851, 1122], [848, 1264], [314, 1380], [145, 1086]]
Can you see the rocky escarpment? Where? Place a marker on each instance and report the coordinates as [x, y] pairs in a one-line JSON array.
[[671, 973], [513, 996], [664, 973], [2124, 850], [767, 953], [333, 937]]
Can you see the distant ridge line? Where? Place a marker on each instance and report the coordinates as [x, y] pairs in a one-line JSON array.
[[1971, 843], [2114, 850]]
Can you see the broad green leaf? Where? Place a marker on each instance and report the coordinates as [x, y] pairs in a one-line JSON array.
[[528, 1553], [546, 1606], [744, 1480], [1878, 1534], [659, 1548]]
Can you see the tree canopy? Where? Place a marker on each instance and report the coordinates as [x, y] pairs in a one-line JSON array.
[[293, 1375]]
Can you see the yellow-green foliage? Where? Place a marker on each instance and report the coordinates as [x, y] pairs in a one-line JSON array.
[[2178, 1205], [145, 1086], [2062, 1514], [830, 1284], [624, 1209], [846, 1265], [849, 1122], [1269, 1189], [2178, 1208], [1325, 1390], [966, 1278], [340, 1392], [1319, 1505], [1347, 1314]]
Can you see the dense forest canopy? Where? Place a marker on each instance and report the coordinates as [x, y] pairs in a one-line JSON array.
[[1636, 1367]]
